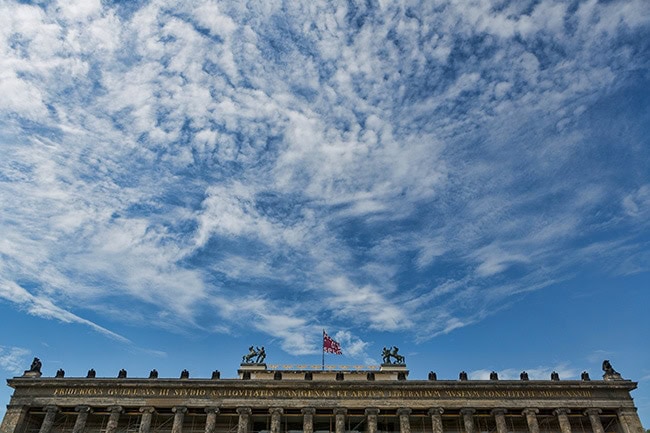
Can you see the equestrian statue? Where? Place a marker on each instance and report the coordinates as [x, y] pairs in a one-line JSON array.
[[387, 354], [255, 355]]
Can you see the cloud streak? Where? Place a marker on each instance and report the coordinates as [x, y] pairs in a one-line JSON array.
[[366, 166]]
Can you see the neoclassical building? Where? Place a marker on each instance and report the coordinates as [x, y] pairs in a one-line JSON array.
[[263, 400]]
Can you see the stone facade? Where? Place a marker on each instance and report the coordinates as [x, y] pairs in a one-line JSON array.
[[274, 401]]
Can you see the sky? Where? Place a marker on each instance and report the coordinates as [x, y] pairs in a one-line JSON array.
[[466, 180]]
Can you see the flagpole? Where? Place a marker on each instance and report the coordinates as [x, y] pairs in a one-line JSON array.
[[323, 349]]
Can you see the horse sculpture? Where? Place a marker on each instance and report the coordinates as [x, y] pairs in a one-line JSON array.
[[387, 354], [399, 359], [248, 358]]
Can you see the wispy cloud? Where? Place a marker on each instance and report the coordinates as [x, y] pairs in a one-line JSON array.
[[377, 166], [43, 307], [13, 359]]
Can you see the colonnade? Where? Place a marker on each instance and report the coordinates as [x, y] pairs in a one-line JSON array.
[[627, 417]]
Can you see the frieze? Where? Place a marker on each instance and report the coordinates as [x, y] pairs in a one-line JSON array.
[[261, 393]]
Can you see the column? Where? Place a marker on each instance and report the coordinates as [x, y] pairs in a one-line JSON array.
[[563, 419], [113, 418], [80, 422], [531, 419], [499, 415], [308, 419], [244, 417], [14, 418], [629, 420], [179, 416], [436, 419], [211, 420], [48, 421], [276, 419], [371, 419], [594, 419], [468, 419], [404, 422], [145, 419], [340, 420]]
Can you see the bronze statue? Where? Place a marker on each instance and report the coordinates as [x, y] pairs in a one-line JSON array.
[[60, 373], [494, 376], [36, 365], [555, 375], [248, 359], [121, 374], [523, 375], [261, 355], [387, 354], [255, 355], [462, 375], [399, 359], [585, 376]]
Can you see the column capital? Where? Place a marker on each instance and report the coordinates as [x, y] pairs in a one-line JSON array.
[[179, 409], [530, 411], [404, 411], [83, 409], [626, 410], [308, 410], [436, 411], [467, 411], [51, 408], [276, 410], [593, 411], [371, 411], [340, 411], [147, 409], [244, 411], [115, 409], [211, 409], [561, 411], [498, 411]]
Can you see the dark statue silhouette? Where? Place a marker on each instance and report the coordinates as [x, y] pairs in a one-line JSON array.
[[255, 355], [387, 354]]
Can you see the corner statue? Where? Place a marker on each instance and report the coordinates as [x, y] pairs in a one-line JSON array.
[[610, 373], [255, 355], [36, 366], [34, 369], [607, 367], [386, 354]]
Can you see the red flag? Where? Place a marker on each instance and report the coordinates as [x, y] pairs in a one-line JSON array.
[[331, 346]]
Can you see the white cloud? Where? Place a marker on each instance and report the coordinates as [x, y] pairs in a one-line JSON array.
[[13, 359], [43, 307], [637, 203], [442, 146]]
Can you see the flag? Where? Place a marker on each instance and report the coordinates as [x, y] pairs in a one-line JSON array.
[[331, 346]]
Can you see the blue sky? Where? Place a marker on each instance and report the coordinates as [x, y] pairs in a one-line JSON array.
[[467, 180]]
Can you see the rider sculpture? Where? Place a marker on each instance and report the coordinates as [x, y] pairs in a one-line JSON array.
[[255, 355], [387, 354]]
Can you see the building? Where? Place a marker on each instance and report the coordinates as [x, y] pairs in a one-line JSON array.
[[263, 400]]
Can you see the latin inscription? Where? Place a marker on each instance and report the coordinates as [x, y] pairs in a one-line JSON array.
[[313, 393]]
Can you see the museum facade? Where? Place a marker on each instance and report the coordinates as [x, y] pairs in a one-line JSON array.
[[266, 400]]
